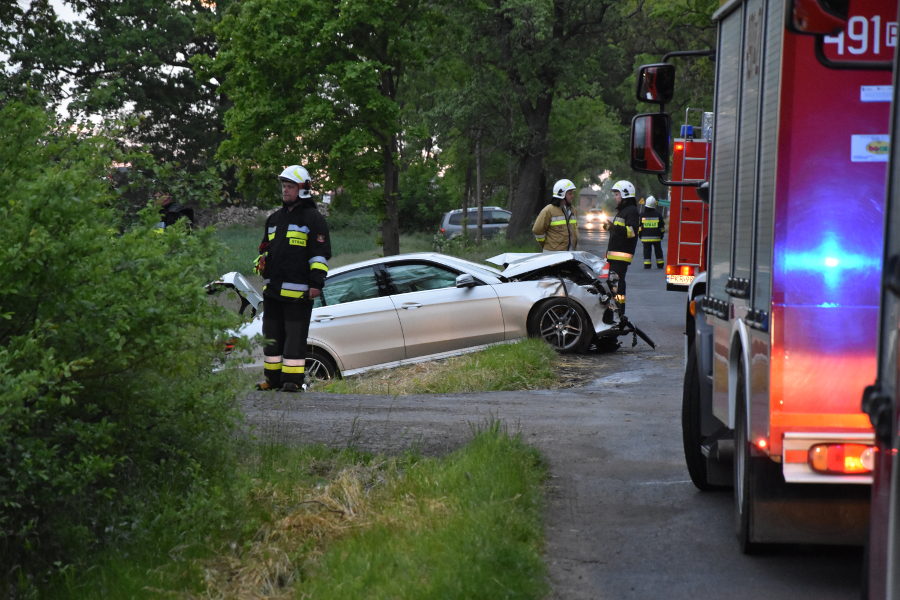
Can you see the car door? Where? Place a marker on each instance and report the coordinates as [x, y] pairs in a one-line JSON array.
[[358, 321], [436, 316]]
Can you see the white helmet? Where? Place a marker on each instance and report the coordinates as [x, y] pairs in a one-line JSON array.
[[650, 202], [625, 188], [561, 187], [300, 176]]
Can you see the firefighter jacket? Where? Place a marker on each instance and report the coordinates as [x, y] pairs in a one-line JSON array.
[[554, 231], [623, 232], [170, 213], [653, 226], [297, 246]]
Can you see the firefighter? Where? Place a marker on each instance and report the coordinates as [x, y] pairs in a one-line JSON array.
[[653, 228], [293, 261], [556, 228], [622, 237], [170, 211]]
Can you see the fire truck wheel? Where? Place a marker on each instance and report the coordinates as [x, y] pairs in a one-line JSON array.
[[566, 328], [743, 469], [690, 425]]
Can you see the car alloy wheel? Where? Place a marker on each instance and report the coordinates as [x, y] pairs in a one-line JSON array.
[[561, 325]]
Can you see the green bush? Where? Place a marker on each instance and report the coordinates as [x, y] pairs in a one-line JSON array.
[[107, 399]]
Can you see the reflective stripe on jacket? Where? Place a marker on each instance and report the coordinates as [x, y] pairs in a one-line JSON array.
[[653, 226], [553, 231], [623, 232]]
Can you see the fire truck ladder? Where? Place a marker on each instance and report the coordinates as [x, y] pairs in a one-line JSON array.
[[687, 134]]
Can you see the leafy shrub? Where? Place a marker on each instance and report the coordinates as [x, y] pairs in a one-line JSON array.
[[106, 342]]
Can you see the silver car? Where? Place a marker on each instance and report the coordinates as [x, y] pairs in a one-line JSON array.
[[410, 308]]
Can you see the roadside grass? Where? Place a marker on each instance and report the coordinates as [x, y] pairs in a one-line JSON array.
[[313, 522], [523, 365]]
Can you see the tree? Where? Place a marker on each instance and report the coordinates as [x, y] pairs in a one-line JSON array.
[[107, 343], [318, 83], [126, 58], [547, 51]]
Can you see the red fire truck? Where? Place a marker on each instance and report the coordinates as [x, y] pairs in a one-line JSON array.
[[688, 216], [782, 326]]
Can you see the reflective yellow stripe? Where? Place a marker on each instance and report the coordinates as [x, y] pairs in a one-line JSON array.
[[318, 265], [273, 366], [558, 222], [271, 236], [296, 242], [288, 369], [540, 238], [652, 239], [651, 223], [623, 256], [292, 294], [629, 231], [296, 234]]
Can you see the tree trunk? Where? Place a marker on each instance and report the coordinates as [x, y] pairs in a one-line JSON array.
[[479, 199], [465, 206], [390, 229], [531, 164]]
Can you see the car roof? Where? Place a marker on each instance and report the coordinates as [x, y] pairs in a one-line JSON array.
[[459, 210], [459, 264]]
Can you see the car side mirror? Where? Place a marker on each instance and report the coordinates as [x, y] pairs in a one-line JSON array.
[[650, 143], [656, 83], [465, 281]]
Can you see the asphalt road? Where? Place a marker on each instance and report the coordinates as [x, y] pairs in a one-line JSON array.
[[623, 519]]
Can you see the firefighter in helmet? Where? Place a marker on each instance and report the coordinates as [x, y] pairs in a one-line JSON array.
[[556, 228], [653, 228], [623, 230], [293, 261]]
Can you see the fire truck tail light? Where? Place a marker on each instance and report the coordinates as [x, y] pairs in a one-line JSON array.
[[844, 459], [761, 443], [679, 146], [687, 270]]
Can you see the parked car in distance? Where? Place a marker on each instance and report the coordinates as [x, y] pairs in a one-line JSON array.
[[410, 308], [495, 219]]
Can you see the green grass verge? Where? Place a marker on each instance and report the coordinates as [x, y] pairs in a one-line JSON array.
[[524, 365], [310, 522]]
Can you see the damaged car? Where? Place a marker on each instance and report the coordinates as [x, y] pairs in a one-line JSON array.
[[411, 308]]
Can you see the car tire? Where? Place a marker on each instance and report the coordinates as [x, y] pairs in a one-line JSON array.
[[566, 328], [691, 436], [319, 366]]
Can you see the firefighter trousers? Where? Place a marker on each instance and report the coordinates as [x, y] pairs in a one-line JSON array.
[[619, 267], [286, 326], [648, 251]]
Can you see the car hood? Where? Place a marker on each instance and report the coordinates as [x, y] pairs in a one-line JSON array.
[[516, 264]]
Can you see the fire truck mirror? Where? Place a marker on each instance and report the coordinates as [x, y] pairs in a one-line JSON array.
[[703, 191], [818, 17], [656, 83], [650, 143]]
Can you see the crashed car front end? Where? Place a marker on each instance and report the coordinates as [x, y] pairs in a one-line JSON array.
[[577, 276]]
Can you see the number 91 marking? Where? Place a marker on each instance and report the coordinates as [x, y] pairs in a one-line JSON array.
[[858, 36]]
